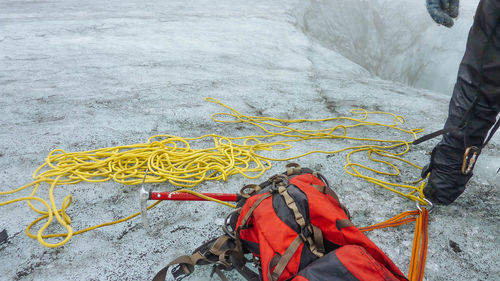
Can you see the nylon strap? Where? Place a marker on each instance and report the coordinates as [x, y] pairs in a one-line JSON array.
[[238, 261], [222, 249], [343, 223], [284, 260], [186, 263], [400, 219], [254, 206], [318, 238], [218, 247], [299, 218], [292, 206], [249, 190], [435, 134], [274, 261], [464, 122], [293, 169], [3, 236], [219, 273], [326, 190], [419, 249], [320, 188]]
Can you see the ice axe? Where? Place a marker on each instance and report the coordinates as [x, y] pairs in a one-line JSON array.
[[180, 195]]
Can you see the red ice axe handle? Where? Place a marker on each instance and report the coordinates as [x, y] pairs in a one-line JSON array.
[[182, 196]]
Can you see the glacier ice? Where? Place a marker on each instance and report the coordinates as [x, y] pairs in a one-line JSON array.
[[394, 40]]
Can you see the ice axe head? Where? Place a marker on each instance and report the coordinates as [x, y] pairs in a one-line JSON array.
[[143, 199]]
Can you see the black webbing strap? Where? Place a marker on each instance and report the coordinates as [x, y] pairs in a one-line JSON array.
[[186, 267], [214, 254], [238, 262], [435, 134], [464, 122], [216, 270]]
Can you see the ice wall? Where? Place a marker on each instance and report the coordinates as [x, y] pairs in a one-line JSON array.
[[395, 40]]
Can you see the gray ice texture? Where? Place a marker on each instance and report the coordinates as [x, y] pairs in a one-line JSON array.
[[81, 75]]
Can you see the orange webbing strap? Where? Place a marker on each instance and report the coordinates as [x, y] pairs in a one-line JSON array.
[[419, 251], [420, 240], [395, 221]]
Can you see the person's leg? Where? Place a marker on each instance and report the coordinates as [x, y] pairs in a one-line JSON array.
[[477, 90]]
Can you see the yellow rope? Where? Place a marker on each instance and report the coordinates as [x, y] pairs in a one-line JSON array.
[[172, 159]]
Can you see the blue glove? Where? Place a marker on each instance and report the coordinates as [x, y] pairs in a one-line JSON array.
[[443, 11]]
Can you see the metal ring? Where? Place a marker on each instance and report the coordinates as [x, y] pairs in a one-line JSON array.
[[249, 190], [226, 224], [279, 178]]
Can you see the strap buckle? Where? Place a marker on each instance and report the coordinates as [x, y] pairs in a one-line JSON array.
[[277, 181], [180, 272], [470, 157], [305, 233]]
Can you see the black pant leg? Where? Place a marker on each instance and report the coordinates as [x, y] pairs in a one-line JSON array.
[[478, 90]]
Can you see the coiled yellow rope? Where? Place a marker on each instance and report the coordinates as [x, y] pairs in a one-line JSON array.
[[171, 158]]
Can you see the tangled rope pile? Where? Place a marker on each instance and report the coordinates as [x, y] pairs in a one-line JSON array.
[[172, 159]]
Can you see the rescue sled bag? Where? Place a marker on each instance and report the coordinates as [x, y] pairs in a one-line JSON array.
[[291, 227]]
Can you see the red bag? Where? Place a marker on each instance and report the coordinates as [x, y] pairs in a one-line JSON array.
[[294, 220], [296, 229]]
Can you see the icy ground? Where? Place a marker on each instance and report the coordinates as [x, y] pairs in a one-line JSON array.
[[80, 75]]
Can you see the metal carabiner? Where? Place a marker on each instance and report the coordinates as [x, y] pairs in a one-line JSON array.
[[429, 205], [470, 160]]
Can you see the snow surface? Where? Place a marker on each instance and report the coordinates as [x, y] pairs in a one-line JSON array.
[[80, 75]]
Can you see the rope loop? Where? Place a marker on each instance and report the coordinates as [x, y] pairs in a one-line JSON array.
[[187, 162]]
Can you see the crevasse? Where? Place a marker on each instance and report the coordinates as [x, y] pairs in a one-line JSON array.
[[394, 40]]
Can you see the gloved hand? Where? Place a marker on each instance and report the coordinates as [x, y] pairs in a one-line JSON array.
[[443, 11]]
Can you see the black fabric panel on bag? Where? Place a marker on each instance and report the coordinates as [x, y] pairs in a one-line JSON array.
[[234, 218], [306, 170], [252, 246], [284, 213], [306, 257], [329, 246], [328, 268], [301, 201]]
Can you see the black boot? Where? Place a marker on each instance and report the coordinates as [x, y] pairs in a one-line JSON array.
[[447, 180]]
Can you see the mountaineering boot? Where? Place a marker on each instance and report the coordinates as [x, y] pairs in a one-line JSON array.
[[473, 108], [447, 180]]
